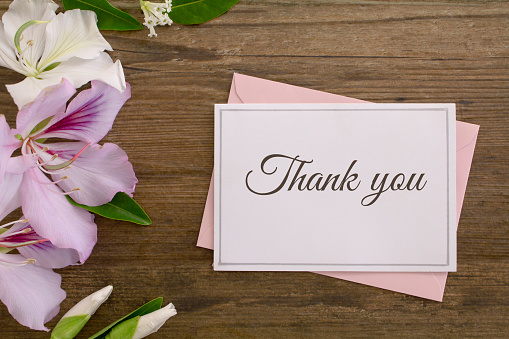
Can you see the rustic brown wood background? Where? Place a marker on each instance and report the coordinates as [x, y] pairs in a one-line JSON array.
[[381, 51]]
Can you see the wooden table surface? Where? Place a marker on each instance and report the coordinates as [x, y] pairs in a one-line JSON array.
[[380, 51]]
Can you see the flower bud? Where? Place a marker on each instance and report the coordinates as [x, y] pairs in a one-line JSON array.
[[152, 322], [74, 320], [140, 327]]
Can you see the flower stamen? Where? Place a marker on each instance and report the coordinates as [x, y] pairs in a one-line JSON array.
[[14, 222], [67, 163], [17, 263]]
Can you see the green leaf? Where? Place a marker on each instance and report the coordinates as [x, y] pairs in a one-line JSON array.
[[69, 327], [149, 307], [192, 12], [121, 207], [124, 330], [108, 17]]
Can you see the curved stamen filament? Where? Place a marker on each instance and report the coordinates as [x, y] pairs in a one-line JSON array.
[[14, 222], [24, 62], [24, 148], [46, 184], [53, 172], [62, 192], [40, 164], [17, 263], [61, 179], [39, 181], [12, 245], [23, 231], [69, 162]]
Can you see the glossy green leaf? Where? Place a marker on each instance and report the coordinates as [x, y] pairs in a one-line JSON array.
[[69, 327], [149, 307], [124, 330], [108, 17], [192, 12], [121, 207]]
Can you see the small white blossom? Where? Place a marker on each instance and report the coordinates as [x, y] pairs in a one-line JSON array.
[[156, 14]]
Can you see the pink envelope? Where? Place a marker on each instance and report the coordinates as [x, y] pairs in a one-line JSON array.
[[429, 285]]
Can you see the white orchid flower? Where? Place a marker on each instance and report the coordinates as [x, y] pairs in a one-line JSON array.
[[46, 47]]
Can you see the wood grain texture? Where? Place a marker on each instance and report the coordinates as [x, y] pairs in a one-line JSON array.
[[381, 51]]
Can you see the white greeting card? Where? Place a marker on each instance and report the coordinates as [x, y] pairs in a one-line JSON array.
[[335, 187]]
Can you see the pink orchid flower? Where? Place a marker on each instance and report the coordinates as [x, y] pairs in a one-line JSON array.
[[89, 173], [29, 288]]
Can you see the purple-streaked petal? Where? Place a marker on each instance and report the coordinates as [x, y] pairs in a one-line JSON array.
[[43, 251], [99, 172], [8, 143], [54, 218], [49, 102], [31, 293], [48, 255], [10, 194], [90, 115], [19, 234]]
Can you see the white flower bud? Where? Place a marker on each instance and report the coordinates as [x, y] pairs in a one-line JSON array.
[[152, 322], [73, 321], [91, 303]]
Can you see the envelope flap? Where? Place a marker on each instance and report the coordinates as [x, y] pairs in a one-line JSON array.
[[468, 136], [255, 90]]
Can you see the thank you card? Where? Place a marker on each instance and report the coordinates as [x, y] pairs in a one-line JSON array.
[[335, 187]]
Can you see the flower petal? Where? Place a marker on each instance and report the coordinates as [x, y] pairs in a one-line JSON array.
[[7, 54], [100, 172], [54, 218], [72, 34], [18, 235], [20, 164], [31, 293], [8, 143], [80, 71], [48, 102], [90, 115], [48, 255], [45, 253], [22, 11], [9, 194]]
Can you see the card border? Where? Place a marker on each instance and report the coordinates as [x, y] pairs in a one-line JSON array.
[[450, 116]]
